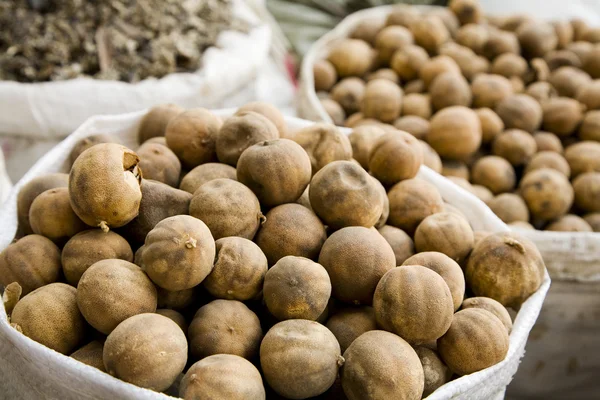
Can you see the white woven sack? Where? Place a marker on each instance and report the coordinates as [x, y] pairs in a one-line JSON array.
[[239, 69], [560, 362], [570, 314], [569, 256], [5, 183], [587, 10], [30, 370], [55, 109]]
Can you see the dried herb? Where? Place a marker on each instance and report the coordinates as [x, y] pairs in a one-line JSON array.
[[127, 40]]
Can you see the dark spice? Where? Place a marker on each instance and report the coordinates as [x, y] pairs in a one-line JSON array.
[[127, 40]]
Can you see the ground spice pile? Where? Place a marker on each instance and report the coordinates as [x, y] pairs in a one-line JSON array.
[[126, 40]]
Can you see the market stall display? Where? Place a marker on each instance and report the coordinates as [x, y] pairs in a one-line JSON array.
[[205, 53], [506, 103], [311, 255]]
